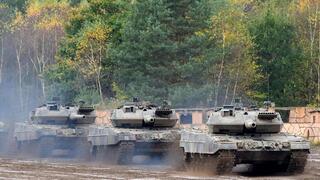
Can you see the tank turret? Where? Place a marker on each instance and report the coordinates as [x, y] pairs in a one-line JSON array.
[[242, 120], [54, 113], [142, 114]]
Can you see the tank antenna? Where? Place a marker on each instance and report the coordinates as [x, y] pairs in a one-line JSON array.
[[268, 87]]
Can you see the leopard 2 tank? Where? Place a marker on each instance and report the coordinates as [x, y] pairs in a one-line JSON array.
[[138, 129], [55, 130], [237, 135]]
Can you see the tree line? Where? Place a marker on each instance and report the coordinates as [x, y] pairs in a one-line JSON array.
[[194, 53]]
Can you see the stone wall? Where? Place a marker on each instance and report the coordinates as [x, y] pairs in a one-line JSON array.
[[310, 131], [304, 121], [103, 117]]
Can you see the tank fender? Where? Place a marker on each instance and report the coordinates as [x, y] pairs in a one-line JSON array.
[[25, 132], [100, 136], [203, 143], [300, 145]]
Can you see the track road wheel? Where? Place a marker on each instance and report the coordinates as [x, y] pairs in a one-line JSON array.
[[46, 146], [174, 157], [105, 154], [191, 162], [126, 151], [187, 162], [93, 153], [297, 162], [224, 162], [27, 148], [221, 163]]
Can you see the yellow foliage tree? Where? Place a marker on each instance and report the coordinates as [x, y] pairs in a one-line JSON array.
[[229, 27], [91, 50]]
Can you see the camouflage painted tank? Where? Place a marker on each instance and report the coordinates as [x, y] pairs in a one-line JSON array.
[[237, 135], [137, 129], [55, 130]]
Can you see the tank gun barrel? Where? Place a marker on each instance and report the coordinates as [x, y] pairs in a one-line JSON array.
[[74, 116]]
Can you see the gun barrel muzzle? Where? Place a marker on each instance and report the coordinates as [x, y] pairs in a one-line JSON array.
[[148, 119], [250, 124], [74, 116]]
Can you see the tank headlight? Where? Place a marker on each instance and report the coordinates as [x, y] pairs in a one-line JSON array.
[[240, 145], [285, 145]]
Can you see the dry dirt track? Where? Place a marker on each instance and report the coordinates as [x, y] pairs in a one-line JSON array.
[[11, 168]]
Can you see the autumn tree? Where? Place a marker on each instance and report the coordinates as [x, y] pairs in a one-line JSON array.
[[5, 16], [306, 18], [92, 49], [36, 35], [235, 71], [191, 52], [92, 30]]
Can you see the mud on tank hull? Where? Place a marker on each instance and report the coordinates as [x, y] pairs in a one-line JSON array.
[[120, 145], [219, 153], [51, 141]]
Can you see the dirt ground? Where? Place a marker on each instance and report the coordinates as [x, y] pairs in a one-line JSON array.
[[12, 168]]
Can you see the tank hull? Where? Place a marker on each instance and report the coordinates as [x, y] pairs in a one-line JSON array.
[[127, 143], [275, 149], [51, 140]]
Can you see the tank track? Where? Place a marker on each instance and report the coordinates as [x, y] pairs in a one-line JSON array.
[[29, 148], [46, 146], [174, 156], [105, 154], [114, 154], [297, 162], [126, 150], [225, 162], [222, 163]]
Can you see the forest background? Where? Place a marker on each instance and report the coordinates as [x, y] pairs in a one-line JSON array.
[[194, 53]]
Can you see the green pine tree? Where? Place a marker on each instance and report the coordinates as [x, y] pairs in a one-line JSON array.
[[161, 46]]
